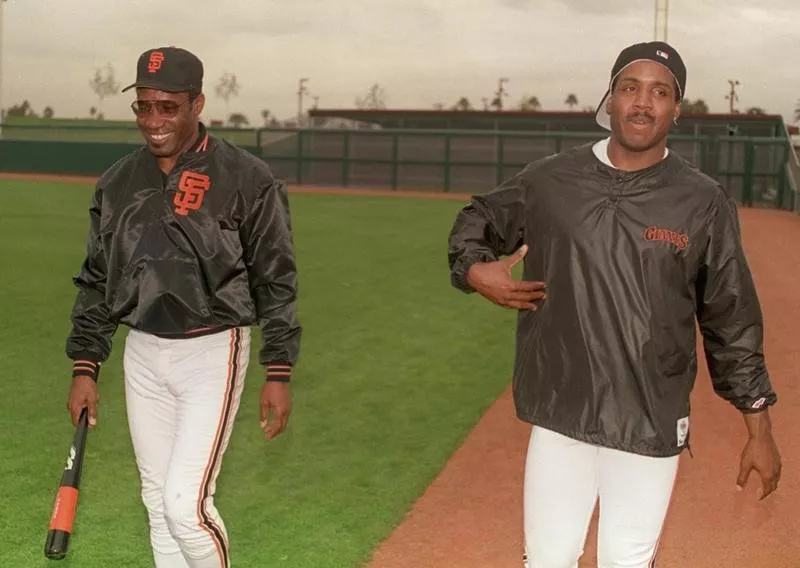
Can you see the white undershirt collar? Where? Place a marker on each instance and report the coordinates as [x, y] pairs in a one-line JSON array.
[[601, 151]]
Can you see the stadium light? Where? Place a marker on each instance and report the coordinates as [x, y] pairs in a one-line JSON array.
[[2, 110], [301, 90], [661, 24]]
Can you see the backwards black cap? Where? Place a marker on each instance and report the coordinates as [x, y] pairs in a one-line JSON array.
[[170, 69], [656, 51]]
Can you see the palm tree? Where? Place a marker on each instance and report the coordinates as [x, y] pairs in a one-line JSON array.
[[572, 101], [104, 85], [227, 87]]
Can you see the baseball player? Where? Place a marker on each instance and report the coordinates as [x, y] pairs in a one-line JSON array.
[[190, 243], [624, 245]]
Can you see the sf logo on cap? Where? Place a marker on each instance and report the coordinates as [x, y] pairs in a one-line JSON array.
[[154, 64]]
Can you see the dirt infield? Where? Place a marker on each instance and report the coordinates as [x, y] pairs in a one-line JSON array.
[[471, 515]]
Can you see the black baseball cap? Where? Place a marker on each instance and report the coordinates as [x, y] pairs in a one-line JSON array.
[[170, 69], [657, 51]]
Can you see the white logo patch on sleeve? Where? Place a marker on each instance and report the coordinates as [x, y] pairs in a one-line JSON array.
[[683, 430]]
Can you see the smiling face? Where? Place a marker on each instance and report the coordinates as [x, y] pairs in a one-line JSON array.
[[643, 104], [169, 122]]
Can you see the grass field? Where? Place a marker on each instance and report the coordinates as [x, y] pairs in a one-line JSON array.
[[396, 367]]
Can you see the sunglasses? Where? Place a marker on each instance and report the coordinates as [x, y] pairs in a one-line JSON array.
[[167, 109]]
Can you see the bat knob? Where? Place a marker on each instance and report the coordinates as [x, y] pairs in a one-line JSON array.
[[57, 544]]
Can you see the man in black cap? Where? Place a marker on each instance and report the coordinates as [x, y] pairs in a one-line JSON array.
[[625, 246], [190, 243]]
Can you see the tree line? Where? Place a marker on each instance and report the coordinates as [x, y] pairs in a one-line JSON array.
[[104, 85]]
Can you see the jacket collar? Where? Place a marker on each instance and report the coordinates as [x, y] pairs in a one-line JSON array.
[[201, 143], [656, 175]]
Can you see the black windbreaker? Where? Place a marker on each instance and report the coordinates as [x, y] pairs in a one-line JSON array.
[[630, 260], [206, 248]]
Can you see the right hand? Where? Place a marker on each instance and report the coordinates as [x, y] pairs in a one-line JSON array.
[[83, 394], [493, 281], [276, 406]]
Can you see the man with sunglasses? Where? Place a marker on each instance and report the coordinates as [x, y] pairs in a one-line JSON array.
[[190, 243]]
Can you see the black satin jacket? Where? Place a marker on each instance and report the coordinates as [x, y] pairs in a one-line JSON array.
[[631, 261], [205, 248]]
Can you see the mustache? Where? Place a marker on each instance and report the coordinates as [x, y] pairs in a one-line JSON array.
[[638, 115]]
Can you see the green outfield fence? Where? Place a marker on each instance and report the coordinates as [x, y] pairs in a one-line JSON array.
[[758, 171]]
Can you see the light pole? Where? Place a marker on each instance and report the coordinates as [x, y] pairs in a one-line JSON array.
[[301, 90], [2, 110], [501, 92], [732, 96], [662, 12]]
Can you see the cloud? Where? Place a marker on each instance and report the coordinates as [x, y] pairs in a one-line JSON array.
[[517, 4], [610, 7], [428, 51]]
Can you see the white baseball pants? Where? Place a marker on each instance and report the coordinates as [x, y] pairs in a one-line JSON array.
[[563, 480], [182, 397]]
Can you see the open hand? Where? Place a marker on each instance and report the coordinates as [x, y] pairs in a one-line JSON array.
[[276, 406], [761, 454], [493, 281]]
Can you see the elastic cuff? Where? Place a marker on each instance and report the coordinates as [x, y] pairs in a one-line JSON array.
[[754, 405], [279, 372], [458, 273], [85, 368]]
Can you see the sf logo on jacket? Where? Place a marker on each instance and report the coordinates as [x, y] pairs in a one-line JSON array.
[[192, 188]]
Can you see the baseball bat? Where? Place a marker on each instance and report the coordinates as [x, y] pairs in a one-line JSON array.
[[66, 503]]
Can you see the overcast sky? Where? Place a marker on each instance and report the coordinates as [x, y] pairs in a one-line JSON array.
[[421, 52]]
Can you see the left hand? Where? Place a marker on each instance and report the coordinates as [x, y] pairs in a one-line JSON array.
[[761, 453], [276, 406]]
